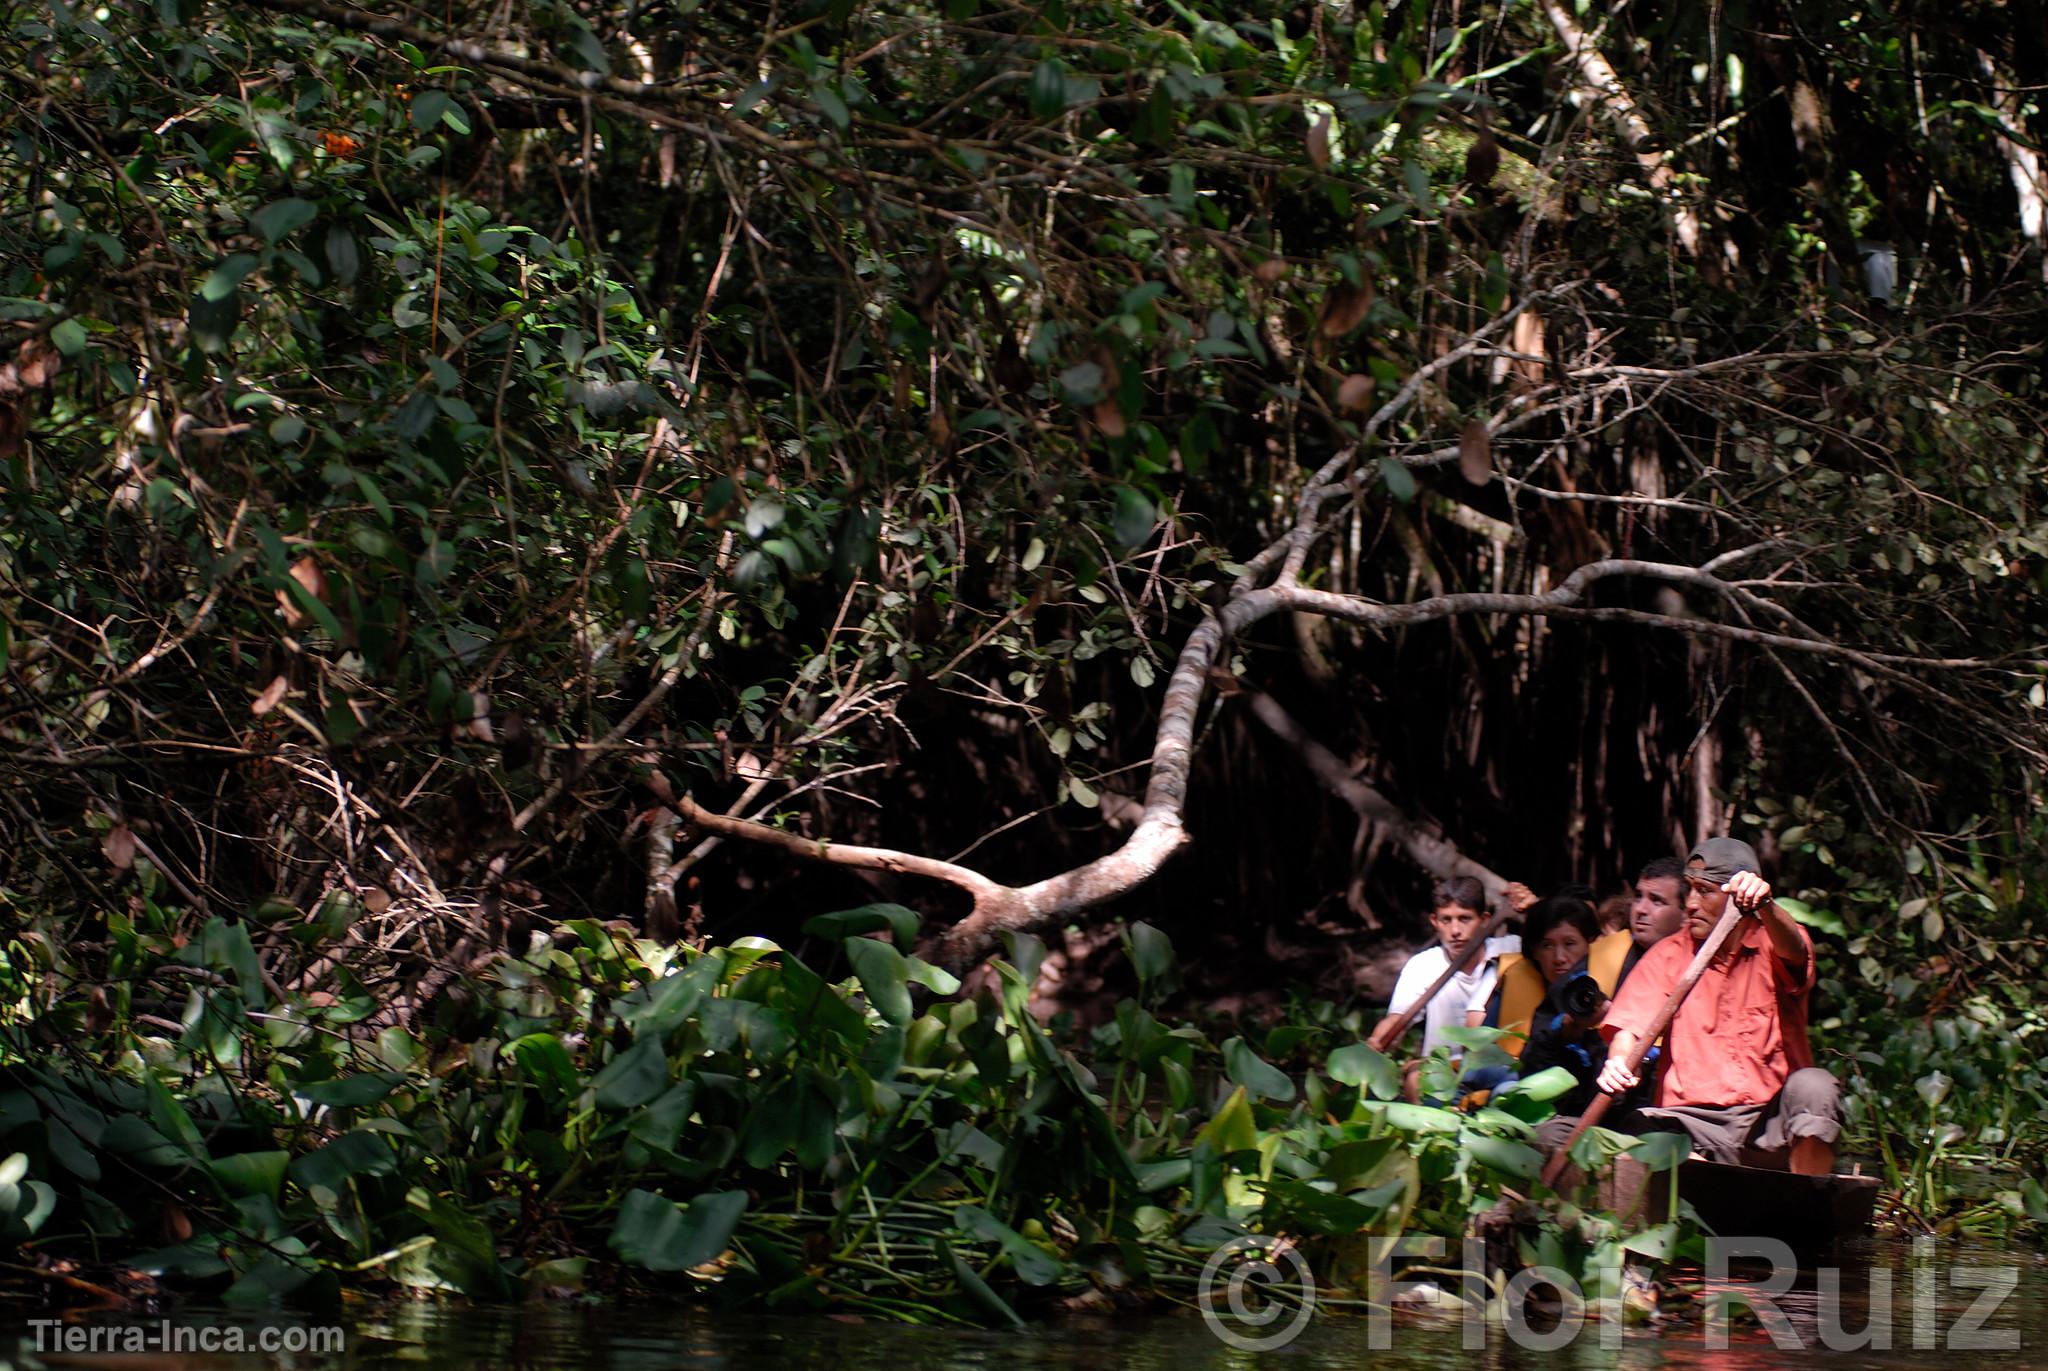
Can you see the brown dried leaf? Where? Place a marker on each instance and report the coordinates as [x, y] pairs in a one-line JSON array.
[[1475, 453], [1109, 417], [479, 725], [1482, 159], [306, 571], [272, 696], [1355, 391], [119, 847], [1345, 308], [36, 364], [376, 899], [1270, 270], [1528, 339], [1319, 143]]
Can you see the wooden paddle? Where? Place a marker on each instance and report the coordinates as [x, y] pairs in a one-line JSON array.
[[1473, 954], [1730, 917]]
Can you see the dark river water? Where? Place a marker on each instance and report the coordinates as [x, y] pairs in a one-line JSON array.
[[1918, 1299]]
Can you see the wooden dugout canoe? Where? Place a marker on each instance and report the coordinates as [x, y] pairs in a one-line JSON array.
[[1743, 1201]]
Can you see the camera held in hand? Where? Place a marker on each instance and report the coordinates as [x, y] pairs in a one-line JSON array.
[[1578, 997]]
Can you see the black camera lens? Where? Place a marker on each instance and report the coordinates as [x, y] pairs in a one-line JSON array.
[[1581, 997]]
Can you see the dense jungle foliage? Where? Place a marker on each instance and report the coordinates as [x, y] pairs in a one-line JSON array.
[[509, 506]]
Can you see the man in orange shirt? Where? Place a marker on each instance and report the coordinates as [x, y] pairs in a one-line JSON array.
[[1738, 1072]]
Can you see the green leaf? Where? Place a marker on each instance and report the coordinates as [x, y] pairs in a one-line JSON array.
[[548, 1065], [1519, 1160], [344, 259], [1049, 89], [661, 1235], [1662, 1151], [1033, 1264], [1546, 1084], [287, 429], [325, 1174], [1294, 1207], [975, 1288], [351, 1092], [883, 976], [220, 283], [1400, 481], [869, 918], [281, 218], [69, 337], [1232, 1129], [2034, 1198], [427, 108], [251, 1173], [832, 105], [1360, 1065], [1150, 951], [634, 1077], [1657, 1244], [1258, 1076], [936, 979]]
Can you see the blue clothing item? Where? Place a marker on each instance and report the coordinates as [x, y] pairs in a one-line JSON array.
[[1484, 1078]]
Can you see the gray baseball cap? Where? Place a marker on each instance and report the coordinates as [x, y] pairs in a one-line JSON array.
[[1722, 858]]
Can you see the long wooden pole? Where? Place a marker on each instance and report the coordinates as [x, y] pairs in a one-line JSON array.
[[1730, 917]]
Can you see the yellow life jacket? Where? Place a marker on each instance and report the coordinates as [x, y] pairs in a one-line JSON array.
[[1522, 986]]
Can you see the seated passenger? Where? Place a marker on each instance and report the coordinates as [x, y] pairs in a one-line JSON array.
[[1525, 979], [1458, 918], [1559, 935]]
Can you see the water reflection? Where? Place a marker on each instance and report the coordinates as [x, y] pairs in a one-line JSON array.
[[654, 1337]]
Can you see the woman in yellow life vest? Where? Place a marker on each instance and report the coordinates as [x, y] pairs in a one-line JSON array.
[[1561, 932], [1561, 939]]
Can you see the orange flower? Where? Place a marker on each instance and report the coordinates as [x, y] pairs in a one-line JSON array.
[[339, 144]]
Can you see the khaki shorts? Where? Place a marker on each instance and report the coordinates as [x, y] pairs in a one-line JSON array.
[[1760, 1135]]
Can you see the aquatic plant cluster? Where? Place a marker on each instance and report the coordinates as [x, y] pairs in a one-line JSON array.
[[840, 1130]]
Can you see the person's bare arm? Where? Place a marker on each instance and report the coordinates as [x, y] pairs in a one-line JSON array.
[[1752, 894], [1615, 1077]]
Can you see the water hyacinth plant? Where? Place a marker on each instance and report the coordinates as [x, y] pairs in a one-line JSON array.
[[840, 1130]]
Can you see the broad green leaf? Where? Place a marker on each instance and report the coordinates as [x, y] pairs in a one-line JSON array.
[[975, 1288], [869, 918], [1657, 1244], [1150, 951], [1357, 1064], [635, 1076], [351, 1092], [1255, 1074], [220, 283], [1033, 1264], [1232, 1129], [281, 218], [1662, 1151], [548, 1065], [1546, 1084], [883, 975], [251, 1173], [325, 1174], [1519, 1160], [661, 1235]]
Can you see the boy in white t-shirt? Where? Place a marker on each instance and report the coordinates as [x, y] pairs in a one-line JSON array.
[[1459, 918]]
